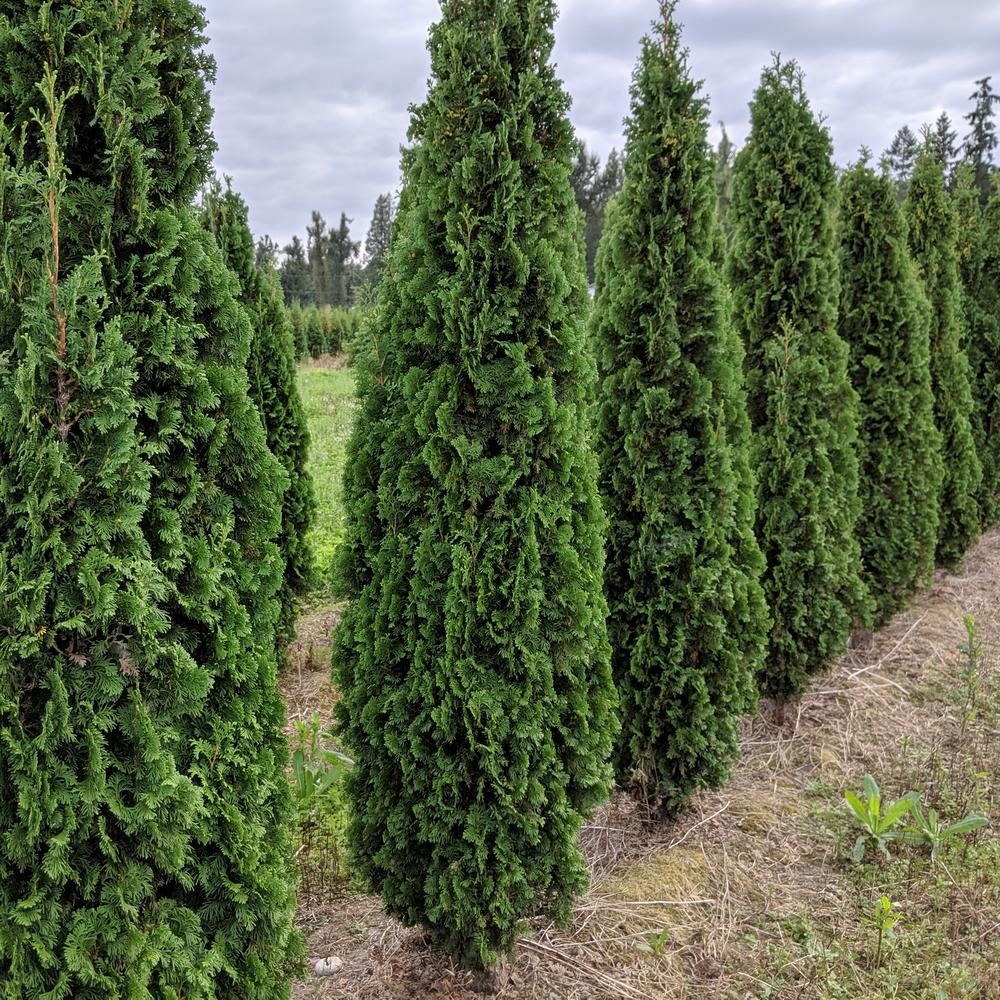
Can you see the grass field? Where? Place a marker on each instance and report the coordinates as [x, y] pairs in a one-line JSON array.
[[328, 396]]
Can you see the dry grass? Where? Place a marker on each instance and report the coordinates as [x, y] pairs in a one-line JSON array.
[[752, 885]]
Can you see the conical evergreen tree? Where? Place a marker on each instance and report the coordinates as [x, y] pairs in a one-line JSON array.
[[932, 235], [687, 619], [142, 788], [273, 388], [979, 263], [473, 659], [802, 408], [884, 321]]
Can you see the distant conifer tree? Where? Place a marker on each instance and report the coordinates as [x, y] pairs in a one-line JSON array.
[[979, 263], [379, 235], [725, 157], [884, 320], [473, 658], [687, 619], [142, 787], [900, 159], [802, 408], [981, 142], [296, 278], [273, 387], [932, 235]]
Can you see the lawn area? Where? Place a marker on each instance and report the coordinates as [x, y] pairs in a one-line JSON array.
[[328, 397]]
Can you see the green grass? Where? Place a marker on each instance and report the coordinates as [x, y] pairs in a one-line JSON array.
[[328, 398]]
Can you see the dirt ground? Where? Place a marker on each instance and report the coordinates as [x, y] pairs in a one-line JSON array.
[[752, 893]]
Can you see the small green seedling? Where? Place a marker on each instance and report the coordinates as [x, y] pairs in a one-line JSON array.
[[884, 918], [929, 832], [654, 943], [877, 822]]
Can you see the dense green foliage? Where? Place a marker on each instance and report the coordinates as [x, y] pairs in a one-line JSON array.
[[687, 620], [884, 321], [594, 187], [316, 330], [271, 368], [142, 794], [473, 658], [979, 264], [803, 410], [932, 235]]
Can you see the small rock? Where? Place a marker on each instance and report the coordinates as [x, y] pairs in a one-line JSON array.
[[328, 966]]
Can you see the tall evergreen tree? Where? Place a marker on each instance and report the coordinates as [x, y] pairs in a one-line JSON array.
[[296, 279], [884, 320], [266, 253], [981, 142], [725, 157], [379, 237], [942, 140], [979, 263], [318, 252], [932, 235], [687, 619], [273, 387], [341, 254], [142, 787], [802, 408], [900, 159], [473, 658]]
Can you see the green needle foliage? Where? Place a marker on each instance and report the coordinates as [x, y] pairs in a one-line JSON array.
[[271, 368], [884, 320], [931, 218], [687, 622], [473, 659], [142, 789], [803, 410], [979, 263]]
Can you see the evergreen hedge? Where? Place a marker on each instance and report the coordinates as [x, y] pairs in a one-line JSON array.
[[803, 411], [931, 218], [473, 658], [273, 387], [688, 623], [884, 320], [142, 789], [979, 264]]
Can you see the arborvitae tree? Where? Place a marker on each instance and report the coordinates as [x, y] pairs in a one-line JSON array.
[[300, 331], [725, 157], [979, 263], [379, 235], [274, 389], [884, 321], [142, 786], [900, 158], [473, 658], [802, 408], [687, 619], [315, 334], [942, 140], [932, 236], [296, 279], [981, 142]]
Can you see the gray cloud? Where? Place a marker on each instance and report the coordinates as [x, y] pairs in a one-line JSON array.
[[312, 96]]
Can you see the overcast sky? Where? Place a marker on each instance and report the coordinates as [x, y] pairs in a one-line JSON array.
[[312, 95]]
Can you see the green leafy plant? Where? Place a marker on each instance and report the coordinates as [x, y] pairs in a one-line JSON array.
[[654, 942], [876, 819], [928, 830], [884, 918], [315, 768]]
